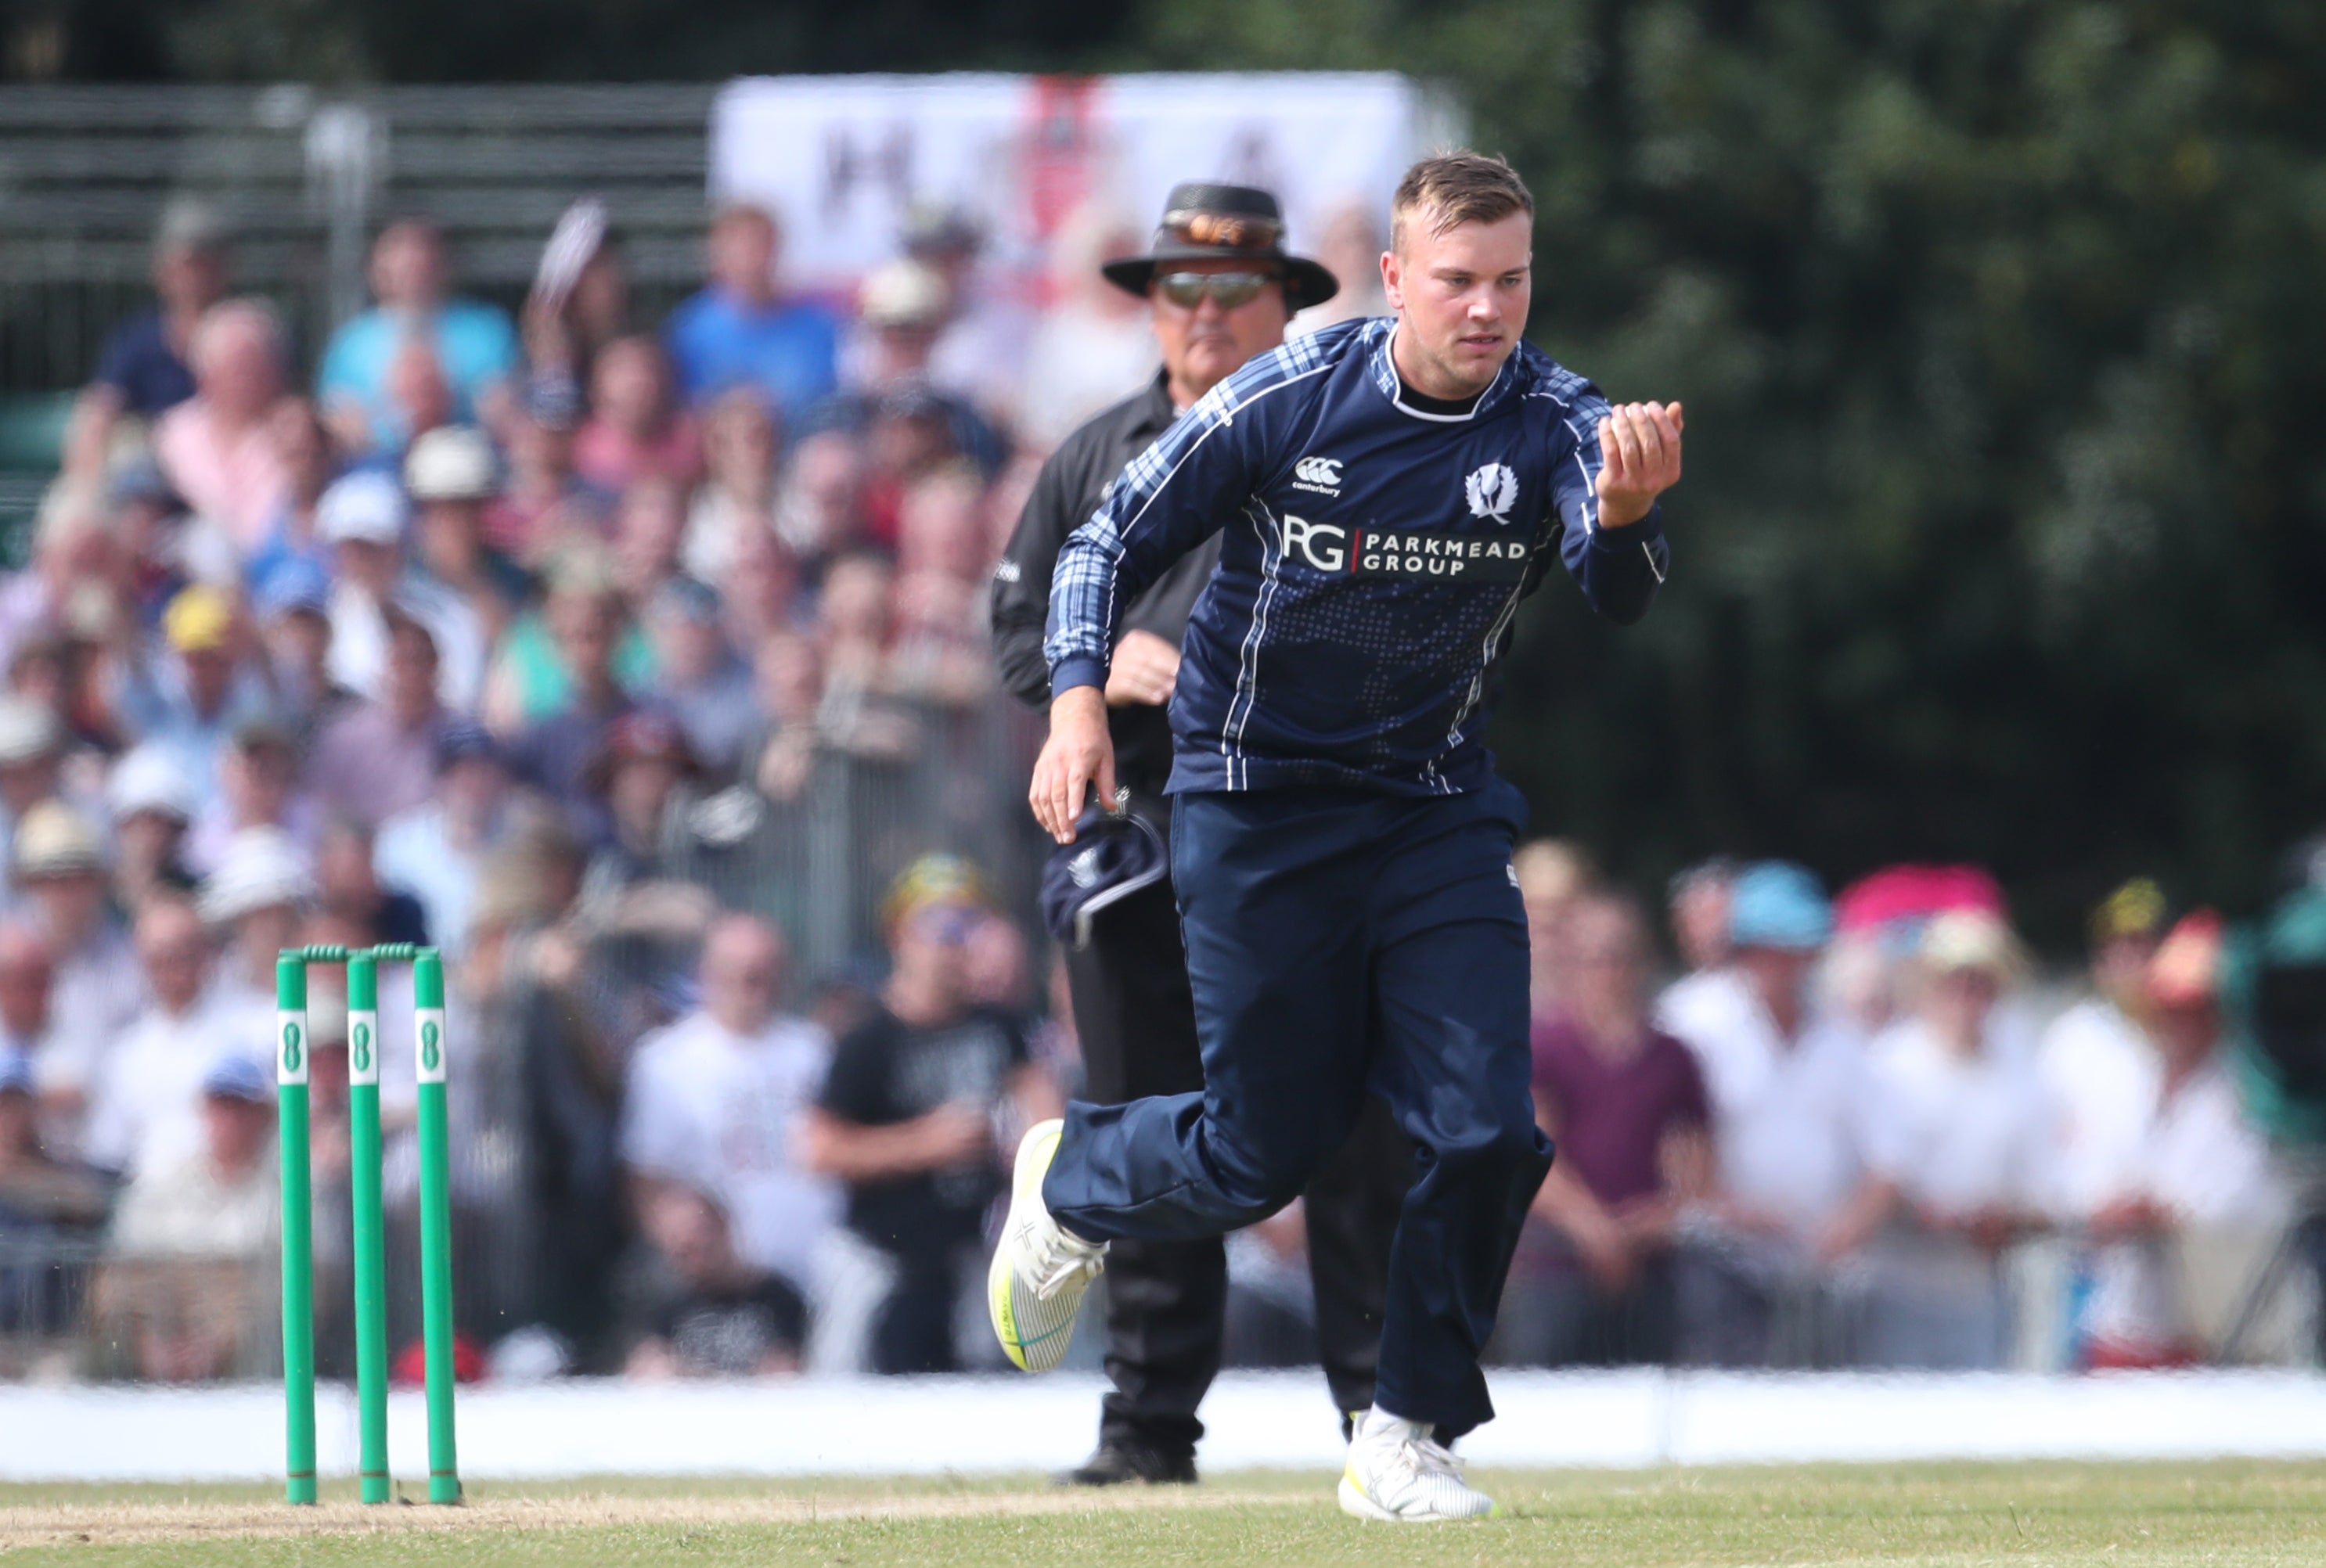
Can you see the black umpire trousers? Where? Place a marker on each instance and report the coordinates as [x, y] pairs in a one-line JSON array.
[[1167, 1301]]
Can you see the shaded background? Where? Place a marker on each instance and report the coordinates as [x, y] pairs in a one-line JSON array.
[[1999, 325]]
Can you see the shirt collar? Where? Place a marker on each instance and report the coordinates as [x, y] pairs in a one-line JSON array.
[[1384, 369], [1155, 409]]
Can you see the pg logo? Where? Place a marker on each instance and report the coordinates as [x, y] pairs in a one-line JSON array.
[[1304, 536]]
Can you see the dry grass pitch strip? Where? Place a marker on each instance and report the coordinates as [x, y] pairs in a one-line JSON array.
[[2220, 1515], [138, 1523]]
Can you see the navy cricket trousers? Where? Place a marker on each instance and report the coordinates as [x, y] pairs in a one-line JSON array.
[[1341, 943]]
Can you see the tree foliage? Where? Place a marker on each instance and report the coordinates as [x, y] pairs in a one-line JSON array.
[[2001, 535], [541, 41]]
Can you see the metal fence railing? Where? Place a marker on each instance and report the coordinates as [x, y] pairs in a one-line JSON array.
[[819, 861], [303, 175]]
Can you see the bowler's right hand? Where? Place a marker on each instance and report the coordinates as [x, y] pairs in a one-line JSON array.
[[1079, 756]]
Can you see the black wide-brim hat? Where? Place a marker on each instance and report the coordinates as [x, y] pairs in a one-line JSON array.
[[1207, 222]]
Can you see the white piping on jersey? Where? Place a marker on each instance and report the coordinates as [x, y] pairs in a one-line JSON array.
[[1123, 535], [1591, 529], [1248, 660], [1397, 399], [1485, 660], [1590, 478]]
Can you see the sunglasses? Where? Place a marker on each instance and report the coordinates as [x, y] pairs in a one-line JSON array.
[[1187, 289]]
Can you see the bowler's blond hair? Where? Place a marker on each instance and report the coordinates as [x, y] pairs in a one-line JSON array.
[[1451, 189]]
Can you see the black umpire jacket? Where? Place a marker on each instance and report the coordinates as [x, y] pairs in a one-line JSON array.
[[1064, 494]]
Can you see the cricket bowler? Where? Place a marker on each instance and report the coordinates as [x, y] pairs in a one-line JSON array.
[[1386, 492]]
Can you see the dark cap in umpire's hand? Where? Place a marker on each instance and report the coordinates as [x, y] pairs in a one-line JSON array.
[[1206, 222], [1112, 857]]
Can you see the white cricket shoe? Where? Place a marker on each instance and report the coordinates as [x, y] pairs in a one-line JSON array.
[[1398, 1471], [1040, 1270]]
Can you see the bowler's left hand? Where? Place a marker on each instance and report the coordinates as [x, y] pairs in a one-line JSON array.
[[1639, 456]]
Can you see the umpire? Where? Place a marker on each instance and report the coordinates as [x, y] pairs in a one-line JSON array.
[[1221, 289]]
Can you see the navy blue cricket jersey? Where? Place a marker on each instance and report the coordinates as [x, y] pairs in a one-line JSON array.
[[1373, 559]]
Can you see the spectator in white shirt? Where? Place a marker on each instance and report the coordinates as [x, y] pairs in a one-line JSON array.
[[1791, 1122], [2096, 1059], [219, 1196], [27, 1032], [1972, 1152], [147, 1107], [715, 1101], [437, 852], [95, 986], [193, 1235], [255, 898], [363, 517], [1699, 927], [2197, 1165]]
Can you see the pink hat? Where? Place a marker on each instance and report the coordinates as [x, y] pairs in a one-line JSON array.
[[1917, 893]]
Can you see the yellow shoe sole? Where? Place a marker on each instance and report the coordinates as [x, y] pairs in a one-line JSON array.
[[1042, 1349]]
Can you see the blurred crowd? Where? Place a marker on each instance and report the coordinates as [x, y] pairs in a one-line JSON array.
[[1857, 1132], [610, 656], [586, 648]]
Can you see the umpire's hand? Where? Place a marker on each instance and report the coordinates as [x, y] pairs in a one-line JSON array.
[[1079, 754], [1144, 671]]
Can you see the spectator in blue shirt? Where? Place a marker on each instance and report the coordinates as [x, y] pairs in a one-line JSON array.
[[476, 346], [142, 369], [736, 332]]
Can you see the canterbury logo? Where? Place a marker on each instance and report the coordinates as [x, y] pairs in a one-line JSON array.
[[1320, 474], [1492, 492]]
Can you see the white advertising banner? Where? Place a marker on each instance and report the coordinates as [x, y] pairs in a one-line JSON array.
[[840, 159]]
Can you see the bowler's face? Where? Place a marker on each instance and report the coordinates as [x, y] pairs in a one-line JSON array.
[[1463, 296]]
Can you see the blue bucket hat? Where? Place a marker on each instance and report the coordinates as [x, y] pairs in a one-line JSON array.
[[465, 740], [234, 1077], [1776, 904], [1112, 858], [296, 582]]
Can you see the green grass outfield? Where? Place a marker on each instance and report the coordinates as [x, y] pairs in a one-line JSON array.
[[2228, 1513]]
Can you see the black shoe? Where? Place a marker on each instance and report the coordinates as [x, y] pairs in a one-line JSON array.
[[1114, 1464]]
